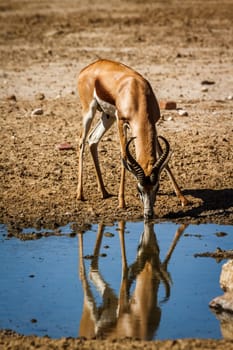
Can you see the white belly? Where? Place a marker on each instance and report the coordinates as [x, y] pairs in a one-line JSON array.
[[106, 107]]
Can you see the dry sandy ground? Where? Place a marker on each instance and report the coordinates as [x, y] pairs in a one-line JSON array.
[[13, 341], [185, 49]]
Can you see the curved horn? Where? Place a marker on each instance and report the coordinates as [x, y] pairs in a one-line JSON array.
[[161, 162], [133, 165]]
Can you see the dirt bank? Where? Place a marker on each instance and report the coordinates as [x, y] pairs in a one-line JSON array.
[[12, 341], [184, 49]]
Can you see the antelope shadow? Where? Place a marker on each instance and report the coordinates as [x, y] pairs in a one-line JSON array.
[[211, 200]]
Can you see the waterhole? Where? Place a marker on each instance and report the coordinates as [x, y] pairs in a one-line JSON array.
[[130, 279]]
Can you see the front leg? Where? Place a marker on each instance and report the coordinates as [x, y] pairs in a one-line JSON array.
[[121, 196], [122, 129], [80, 173], [184, 201], [175, 185]]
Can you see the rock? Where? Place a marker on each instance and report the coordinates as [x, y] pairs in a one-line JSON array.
[[221, 234], [12, 98], [167, 105], [33, 320], [218, 306], [64, 146], [223, 302], [226, 277], [54, 32], [37, 111], [40, 96], [109, 234], [207, 82], [204, 89], [182, 113]]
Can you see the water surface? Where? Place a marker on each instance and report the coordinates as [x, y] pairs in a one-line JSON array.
[[113, 281]]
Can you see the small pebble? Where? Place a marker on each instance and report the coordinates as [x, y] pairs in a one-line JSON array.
[[64, 146], [109, 234], [12, 98], [168, 105], [207, 82], [182, 113], [40, 96], [37, 111], [221, 234]]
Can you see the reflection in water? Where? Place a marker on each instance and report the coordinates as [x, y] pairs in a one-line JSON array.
[[133, 314]]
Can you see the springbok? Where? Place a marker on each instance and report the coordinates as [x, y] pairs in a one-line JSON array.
[[122, 94], [135, 312]]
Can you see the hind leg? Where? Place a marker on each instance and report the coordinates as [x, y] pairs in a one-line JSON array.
[[100, 129], [87, 120]]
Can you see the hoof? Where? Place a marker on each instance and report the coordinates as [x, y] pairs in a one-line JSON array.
[[184, 201], [107, 195], [80, 198], [121, 205]]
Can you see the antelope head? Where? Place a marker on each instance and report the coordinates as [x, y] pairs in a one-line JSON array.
[[147, 185]]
